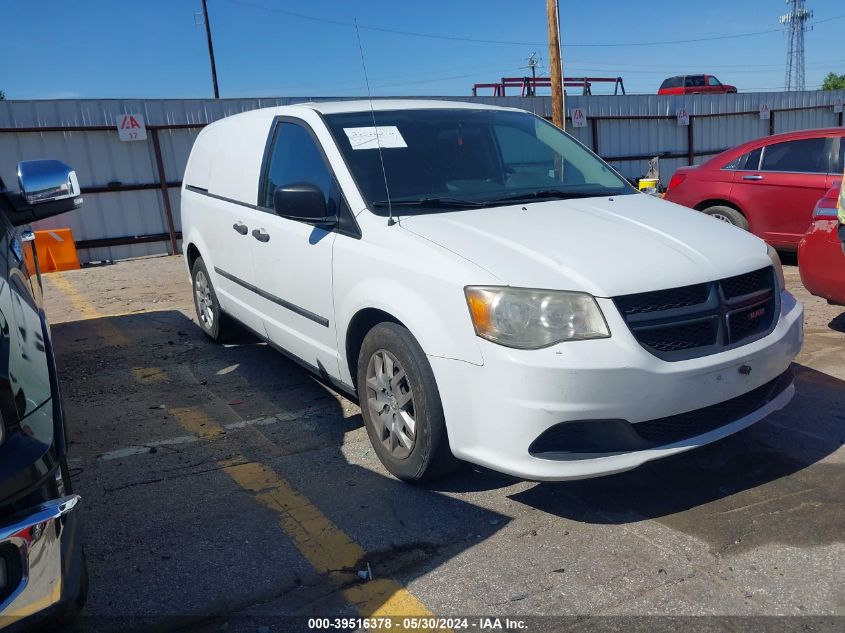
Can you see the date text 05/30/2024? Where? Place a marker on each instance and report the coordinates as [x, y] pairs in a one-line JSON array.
[[424, 623]]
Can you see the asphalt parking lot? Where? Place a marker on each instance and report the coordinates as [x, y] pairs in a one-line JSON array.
[[223, 485]]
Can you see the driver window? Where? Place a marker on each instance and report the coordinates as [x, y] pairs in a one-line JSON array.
[[294, 157]]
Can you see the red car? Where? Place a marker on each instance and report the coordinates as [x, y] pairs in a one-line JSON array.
[[694, 85], [821, 261], [768, 186]]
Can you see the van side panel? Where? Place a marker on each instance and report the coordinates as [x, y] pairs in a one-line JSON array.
[[225, 162], [198, 168], [238, 149]]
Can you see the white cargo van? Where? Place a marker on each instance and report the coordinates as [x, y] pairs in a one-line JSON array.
[[487, 287]]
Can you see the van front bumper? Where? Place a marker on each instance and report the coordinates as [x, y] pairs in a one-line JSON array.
[[34, 545], [497, 413]]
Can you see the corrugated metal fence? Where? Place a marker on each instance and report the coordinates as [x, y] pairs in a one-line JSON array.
[[132, 196]]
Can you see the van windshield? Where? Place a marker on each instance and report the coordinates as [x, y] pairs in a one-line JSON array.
[[463, 158]]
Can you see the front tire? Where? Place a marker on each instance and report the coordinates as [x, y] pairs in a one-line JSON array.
[[401, 406], [727, 214], [212, 320]]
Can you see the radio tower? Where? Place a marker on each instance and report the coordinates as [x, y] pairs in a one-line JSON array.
[[796, 23]]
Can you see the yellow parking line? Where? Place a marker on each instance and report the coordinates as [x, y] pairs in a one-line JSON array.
[[37, 606], [386, 598], [86, 309], [197, 422], [148, 375], [325, 546], [328, 548]]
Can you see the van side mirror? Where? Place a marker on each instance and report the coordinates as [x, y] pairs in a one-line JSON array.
[[302, 201], [47, 188]]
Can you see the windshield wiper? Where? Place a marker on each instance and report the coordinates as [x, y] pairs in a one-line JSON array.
[[560, 194], [435, 203]]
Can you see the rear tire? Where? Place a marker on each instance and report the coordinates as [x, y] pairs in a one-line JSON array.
[[215, 323], [401, 406], [727, 214]]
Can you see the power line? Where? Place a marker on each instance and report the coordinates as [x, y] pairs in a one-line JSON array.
[[395, 81], [453, 38], [427, 81], [313, 18], [710, 69], [709, 65], [698, 39]]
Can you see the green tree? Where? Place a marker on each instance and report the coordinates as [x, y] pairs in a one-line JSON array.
[[2, 95], [833, 82]]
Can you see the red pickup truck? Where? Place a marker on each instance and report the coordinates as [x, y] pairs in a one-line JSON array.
[[694, 85]]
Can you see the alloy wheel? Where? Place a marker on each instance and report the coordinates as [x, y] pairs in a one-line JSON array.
[[205, 303], [391, 402]]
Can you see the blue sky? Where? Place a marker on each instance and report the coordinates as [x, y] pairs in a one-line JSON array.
[[152, 48]]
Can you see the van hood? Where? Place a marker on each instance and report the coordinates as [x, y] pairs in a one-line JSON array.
[[605, 246]]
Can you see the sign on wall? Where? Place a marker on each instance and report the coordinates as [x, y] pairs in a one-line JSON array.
[[579, 117], [765, 111], [683, 116], [837, 105], [130, 127]]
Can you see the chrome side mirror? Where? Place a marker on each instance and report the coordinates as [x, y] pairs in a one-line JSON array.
[[47, 181]]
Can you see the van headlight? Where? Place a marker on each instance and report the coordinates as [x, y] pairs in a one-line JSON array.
[[773, 255], [527, 318]]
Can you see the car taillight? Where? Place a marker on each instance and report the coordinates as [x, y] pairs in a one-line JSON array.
[[676, 180], [825, 209]]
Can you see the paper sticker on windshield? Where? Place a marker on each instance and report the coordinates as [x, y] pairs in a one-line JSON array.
[[365, 137]]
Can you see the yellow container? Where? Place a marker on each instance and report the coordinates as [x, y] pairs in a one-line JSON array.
[[648, 183]]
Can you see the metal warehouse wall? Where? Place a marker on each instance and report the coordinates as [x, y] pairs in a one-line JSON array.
[[126, 200]]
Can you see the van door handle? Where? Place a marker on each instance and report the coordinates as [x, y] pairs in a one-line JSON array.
[[240, 228], [753, 177], [260, 235]]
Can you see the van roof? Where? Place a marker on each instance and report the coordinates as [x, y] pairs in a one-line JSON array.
[[352, 105], [364, 105]]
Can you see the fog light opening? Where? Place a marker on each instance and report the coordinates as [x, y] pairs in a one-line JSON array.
[[11, 570]]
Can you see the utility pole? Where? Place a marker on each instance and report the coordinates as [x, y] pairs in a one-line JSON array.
[[210, 49], [555, 64], [532, 64]]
